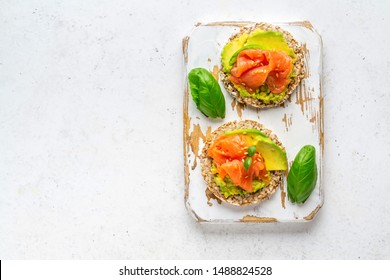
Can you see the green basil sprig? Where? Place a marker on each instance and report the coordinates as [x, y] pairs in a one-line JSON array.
[[206, 93], [302, 176]]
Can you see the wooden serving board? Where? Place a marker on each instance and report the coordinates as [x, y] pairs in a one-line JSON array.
[[299, 122]]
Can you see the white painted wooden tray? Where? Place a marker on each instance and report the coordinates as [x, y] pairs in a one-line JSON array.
[[298, 123]]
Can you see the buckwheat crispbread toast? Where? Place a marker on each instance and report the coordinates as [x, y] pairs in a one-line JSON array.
[[298, 68], [206, 164]]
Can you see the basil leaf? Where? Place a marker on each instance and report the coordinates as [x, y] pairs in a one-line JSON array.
[[206, 93], [302, 176]]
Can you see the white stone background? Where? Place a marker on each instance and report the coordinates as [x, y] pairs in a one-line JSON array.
[[91, 163]]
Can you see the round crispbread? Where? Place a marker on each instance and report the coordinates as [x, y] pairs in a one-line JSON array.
[[298, 68], [206, 165]]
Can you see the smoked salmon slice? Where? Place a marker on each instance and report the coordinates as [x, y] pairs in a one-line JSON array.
[[228, 147], [255, 67], [228, 153]]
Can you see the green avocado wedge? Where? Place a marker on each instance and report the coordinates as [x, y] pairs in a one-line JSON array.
[[229, 50], [245, 131], [271, 40], [275, 157]]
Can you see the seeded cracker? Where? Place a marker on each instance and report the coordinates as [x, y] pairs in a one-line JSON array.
[[298, 68], [206, 164]]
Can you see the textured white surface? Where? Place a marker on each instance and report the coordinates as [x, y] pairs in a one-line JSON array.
[[91, 132]]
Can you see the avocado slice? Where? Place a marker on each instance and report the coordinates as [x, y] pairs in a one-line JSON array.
[[230, 49], [271, 40], [234, 57], [275, 158], [245, 131]]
